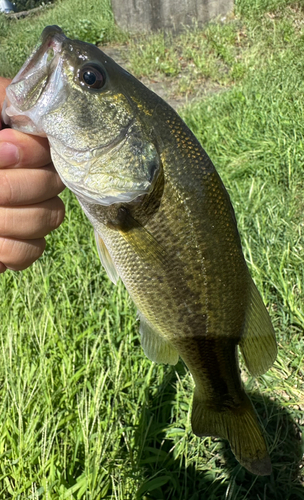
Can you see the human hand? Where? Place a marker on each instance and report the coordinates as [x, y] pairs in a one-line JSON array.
[[29, 205]]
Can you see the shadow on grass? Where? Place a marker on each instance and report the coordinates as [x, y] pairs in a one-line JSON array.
[[168, 478]]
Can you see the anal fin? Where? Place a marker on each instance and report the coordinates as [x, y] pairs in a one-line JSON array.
[[258, 343], [156, 347]]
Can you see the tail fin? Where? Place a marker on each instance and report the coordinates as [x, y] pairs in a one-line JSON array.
[[240, 426]]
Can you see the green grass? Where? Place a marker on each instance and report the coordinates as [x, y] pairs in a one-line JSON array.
[[84, 415], [221, 54], [92, 22]]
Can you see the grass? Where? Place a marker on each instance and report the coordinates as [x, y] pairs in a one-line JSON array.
[[84, 415], [92, 22], [221, 54]]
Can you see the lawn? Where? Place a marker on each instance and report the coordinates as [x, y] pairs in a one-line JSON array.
[[84, 415]]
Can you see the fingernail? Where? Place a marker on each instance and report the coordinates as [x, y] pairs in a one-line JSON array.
[[9, 154]]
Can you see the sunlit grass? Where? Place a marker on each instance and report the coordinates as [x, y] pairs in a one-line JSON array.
[[92, 22], [221, 53]]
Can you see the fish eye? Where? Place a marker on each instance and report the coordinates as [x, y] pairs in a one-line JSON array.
[[92, 76]]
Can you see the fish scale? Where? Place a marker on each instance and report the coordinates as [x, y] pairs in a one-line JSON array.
[[163, 222]]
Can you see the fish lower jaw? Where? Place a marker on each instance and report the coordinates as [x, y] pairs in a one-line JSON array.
[[19, 120]]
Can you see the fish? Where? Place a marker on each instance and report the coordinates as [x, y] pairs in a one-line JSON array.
[[164, 224]]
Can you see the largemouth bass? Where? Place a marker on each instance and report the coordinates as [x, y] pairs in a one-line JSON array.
[[163, 222]]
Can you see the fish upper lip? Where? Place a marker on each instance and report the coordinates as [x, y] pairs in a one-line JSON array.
[[37, 71]]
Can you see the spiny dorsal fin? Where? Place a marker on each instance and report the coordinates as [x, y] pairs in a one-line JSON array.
[[258, 343]]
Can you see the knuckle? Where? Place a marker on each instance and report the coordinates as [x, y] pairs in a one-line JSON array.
[[20, 254], [6, 190], [57, 213], [6, 221]]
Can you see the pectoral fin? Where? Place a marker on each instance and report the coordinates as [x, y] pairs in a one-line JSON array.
[[106, 259], [156, 347], [142, 241], [258, 343]]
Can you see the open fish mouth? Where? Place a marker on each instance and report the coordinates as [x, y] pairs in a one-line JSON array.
[[31, 94]]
